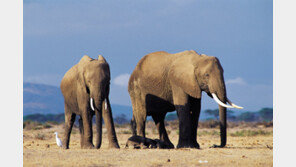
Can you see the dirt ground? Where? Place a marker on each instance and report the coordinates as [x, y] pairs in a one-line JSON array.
[[247, 146]]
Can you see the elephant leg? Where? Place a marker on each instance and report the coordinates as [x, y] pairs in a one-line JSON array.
[[133, 121], [69, 121], [195, 111], [107, 115], [133, 126], [186, 126], [140, 117], [81, 131], [140, 121], [163, 136], [87, 128]]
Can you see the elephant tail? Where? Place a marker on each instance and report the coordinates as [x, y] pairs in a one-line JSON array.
[[133, 126]]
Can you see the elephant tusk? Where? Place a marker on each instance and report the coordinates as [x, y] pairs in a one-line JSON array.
[[92, 104], [105, 104], [235, 106], [219, 102]]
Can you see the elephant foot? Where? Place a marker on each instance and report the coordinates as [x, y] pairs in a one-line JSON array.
[[97, 147], [188, 144], [169, 145], [88, 146], [65, 147], [164, 144], [217, 146], [113, 145]]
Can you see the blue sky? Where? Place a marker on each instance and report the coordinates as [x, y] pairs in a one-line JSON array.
[[58, 33]]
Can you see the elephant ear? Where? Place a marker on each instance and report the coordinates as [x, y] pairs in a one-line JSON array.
[[182, 74], [85, 59], [81, 71], [102, 59]]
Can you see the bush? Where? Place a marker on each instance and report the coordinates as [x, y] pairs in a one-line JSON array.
[[208, 133], [244, 133], [31, 125], [47, 125], [40, 136], [209, 124], [266, 114], [125, 132], [121, 119]]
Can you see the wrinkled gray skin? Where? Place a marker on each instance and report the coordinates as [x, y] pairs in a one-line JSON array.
[[164, 82], [90, 78]]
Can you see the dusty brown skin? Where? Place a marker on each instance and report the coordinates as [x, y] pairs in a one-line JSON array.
[[163, 82], [90, 78]]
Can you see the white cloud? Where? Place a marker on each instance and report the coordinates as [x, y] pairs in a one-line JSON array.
[[122, 80], [48, 79], [238, 81]]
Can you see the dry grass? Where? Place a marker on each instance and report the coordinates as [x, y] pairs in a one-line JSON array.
[[247, 146]]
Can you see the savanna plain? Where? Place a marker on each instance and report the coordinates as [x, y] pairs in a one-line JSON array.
[[248, 144]]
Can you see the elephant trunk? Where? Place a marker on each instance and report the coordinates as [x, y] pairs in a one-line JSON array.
[[98, 113], [99, 128], [218, 93], [108, 119], [222, 115], [223, 125]]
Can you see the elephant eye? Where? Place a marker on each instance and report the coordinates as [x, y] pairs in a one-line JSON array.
[[206, 75]]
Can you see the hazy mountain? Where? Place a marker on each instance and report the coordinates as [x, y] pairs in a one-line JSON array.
[[45, 99]]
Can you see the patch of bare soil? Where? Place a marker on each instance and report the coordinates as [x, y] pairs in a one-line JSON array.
[[247, 146]]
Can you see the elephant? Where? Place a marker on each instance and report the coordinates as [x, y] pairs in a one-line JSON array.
[[140, 142], [162, 82], [85, 88]]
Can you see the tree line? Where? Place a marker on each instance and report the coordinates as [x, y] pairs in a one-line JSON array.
[[264, 114]]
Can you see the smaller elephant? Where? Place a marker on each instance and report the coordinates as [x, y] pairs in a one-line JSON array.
[[161, 144], [85, 88], [140, 142]]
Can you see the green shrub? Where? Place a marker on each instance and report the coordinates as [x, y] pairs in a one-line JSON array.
[[208, 133], [31, 125], [126, 132], [244, 133], [40, 136], [47, 125]]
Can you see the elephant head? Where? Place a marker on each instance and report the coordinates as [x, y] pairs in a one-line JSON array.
[[94, 77], [203, 73]]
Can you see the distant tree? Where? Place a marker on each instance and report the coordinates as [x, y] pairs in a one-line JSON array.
[[214, 113], [247, 116], [121, 119], [266, 114], [231, 116], [44, 118]]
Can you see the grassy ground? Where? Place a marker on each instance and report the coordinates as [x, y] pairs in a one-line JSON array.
[[248, 145]]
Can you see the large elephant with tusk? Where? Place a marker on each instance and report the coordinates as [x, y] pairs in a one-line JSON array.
[[163, 82], [85, 88]]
